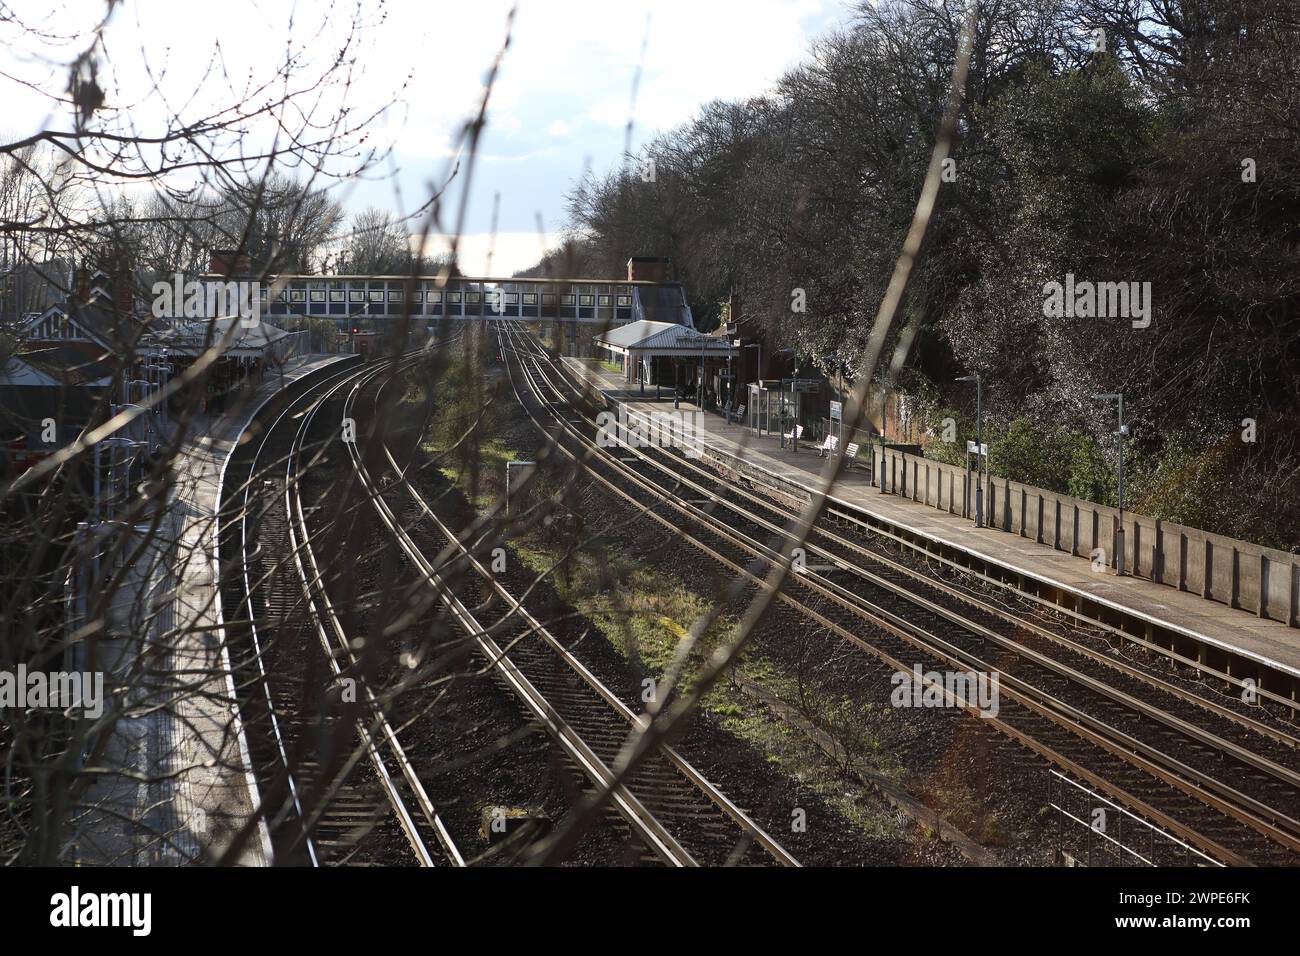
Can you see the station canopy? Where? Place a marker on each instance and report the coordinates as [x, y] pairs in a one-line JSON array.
[[660, 338], [252, 342]]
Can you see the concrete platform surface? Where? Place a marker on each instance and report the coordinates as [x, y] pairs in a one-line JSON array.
[[179, 785]]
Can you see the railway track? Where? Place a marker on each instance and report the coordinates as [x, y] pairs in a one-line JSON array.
[[336, 787], [1232, 802], [1265, 754], [674, 811]]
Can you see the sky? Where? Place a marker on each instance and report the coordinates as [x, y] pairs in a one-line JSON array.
[[561, 103]]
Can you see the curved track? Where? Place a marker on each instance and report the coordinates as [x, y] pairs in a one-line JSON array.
[[681, 818], [331, 795]]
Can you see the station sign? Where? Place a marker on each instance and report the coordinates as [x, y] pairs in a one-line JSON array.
[[972, 449], [837, 411]]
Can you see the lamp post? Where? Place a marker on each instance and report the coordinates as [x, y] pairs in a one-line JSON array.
[[979, 446], [702, 344], [884, 411], [731, 380], [758, 373], [159, 372], [1120, 432], [794, 429]]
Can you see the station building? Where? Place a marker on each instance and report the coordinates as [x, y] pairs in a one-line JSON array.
[[666, 355], [246, 354]]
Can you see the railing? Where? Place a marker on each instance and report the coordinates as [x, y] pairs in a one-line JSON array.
[[1237, 573]]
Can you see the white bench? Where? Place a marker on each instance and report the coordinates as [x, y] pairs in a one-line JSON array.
[[832, 442], [797, 433]]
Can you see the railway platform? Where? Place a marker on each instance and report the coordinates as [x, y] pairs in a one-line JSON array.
[[183, 787], [1219, 640]]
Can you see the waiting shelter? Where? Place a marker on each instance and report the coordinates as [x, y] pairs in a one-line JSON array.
[[775, 407]]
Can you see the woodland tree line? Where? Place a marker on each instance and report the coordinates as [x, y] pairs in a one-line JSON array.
[[1116, 140]]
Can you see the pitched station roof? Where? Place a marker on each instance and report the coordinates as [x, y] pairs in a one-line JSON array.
[[204, 333], [645, 334]]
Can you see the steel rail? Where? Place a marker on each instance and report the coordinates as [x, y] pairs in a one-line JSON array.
[[965, 596], [1060, 717], [643, 822], [394, 798], [1272, 768], [314, 583], [247, 601], [720, 800], [919, 544], [1267, 819]]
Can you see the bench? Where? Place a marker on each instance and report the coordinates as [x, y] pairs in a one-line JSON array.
[[832, 442], [797, 433]]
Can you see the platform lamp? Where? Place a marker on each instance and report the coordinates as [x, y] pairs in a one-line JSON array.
[[731, 378], [1120, 432], [758, 374], [979, 446], [703, 343], [159, 371], [794, 429]]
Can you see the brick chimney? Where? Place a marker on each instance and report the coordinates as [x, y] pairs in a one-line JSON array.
[[228, 262], [123, 300], [647, 269]]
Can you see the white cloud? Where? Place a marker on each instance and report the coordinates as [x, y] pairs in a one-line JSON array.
[[703, 51], [424, 66]]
